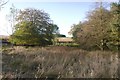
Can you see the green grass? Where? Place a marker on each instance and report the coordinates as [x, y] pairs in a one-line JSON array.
[[58, 62]]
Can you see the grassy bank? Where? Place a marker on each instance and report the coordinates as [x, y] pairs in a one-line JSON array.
[[58, 62]]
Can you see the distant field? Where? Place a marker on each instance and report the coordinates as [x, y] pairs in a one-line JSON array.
[[58, 62]]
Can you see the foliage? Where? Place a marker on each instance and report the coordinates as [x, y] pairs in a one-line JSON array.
[[34, 27], [75, 29], [11, 19], [115, 25], [99, 30], [93, 31]]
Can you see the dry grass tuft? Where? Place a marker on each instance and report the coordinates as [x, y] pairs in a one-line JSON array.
[[58, 62]]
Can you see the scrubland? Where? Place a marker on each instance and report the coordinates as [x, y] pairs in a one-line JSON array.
[[58, 62]]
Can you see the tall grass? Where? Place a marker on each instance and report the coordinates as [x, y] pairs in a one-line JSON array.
[[58, 62]]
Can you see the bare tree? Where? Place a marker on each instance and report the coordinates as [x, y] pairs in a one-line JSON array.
[[2, 3], [11, 18]]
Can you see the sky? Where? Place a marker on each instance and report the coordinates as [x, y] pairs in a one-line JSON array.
[[64, 14]]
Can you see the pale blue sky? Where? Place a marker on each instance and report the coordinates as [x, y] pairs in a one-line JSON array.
[[64, 14]]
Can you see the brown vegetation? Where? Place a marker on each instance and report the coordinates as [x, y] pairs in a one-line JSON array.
[[58, 62]]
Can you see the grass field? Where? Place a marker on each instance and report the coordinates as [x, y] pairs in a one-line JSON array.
[[58, 62]]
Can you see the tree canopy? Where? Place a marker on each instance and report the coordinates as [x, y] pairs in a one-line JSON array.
[[97, 31], [115, 25], [34, 27]]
